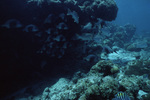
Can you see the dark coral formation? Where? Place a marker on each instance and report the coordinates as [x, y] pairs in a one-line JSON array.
[[104, 9]]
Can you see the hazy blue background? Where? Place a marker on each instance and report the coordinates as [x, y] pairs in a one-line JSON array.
[[136, 12]]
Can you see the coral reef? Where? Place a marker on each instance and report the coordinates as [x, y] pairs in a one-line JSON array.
[[102, 67], [116, 68], [62, 40], [138, 67], [87, 7], [97, 85]]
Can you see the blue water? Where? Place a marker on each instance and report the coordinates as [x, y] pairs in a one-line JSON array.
[[134, 11]]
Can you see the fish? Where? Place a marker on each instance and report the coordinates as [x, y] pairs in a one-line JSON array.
[[59, 38], [90, 57], [62, 26], [87, 27], [48, 31], [62, 16], [102, 24], [145, 76], [30, 28], [97, 38], [74, 15], [50, 18], [12, 23], [121, 96], [107, 49], [83, 37]]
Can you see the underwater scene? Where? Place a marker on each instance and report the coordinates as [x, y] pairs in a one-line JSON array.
[[75, 50]]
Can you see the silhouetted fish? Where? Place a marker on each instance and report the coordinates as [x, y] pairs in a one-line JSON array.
[[102, 23], [30, 28], [12, 23], [108, 49]]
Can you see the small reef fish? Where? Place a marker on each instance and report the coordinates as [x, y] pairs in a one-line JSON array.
[[88, 26], [61, 26], [49, 19], [12, 23], [83, 37], [102, 24], [74, 15], [107, 49], [121, 96], [30, 28]]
